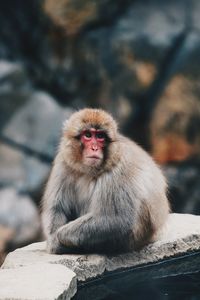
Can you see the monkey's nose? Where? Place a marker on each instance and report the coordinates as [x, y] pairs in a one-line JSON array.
[[94, 147]]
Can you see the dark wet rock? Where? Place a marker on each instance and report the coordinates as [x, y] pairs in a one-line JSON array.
[[75, 16], [184, 187], [120, 57], [175, 121], [126, 69]]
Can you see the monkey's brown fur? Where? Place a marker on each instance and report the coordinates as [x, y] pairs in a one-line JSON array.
[[116, 206]]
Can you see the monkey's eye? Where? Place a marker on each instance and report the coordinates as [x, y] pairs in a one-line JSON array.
[[87, 134], [100, 135]]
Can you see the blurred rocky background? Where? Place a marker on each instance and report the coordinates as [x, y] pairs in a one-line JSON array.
[[137, 59]]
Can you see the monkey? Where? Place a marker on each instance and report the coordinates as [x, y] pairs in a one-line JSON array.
[[105, 194]]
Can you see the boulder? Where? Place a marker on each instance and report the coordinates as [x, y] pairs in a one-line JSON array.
[[21, 171], [175, 121], [38, 123], [181, 235], [19, 219], [13, 89], [183, 186], [59, 283], [33, 134]]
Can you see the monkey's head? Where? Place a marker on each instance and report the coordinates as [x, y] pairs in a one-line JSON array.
[[89, 141]]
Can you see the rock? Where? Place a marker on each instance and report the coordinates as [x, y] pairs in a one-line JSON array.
[[183, 186], [74, 16], [41, 281], [180, 235], [38, 123], [124, 65], [11, 74], [34, 274], [36, 126], [85, 266], [21, 171], [176, 118], [18, 214], [175, 123], [13, 89]]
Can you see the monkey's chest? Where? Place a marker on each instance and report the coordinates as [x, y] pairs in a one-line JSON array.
[[84, 191]]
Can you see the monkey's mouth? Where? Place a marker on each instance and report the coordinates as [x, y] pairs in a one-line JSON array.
[[93, 160], [93, 157]]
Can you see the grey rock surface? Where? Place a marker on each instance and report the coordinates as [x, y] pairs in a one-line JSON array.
[[36, 125], [85, 266], [21, 171], [13, 72], [40, 281], [180, 235], [19, 214], [13, 89]]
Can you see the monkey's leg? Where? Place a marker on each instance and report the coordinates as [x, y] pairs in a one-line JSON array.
[[95, 232]]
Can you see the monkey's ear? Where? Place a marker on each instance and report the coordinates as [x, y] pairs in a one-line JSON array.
[[65, 125]]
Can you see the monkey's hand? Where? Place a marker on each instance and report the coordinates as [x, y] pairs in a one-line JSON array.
[[70, 235], [62, 238], [54, 246], [93, 233]]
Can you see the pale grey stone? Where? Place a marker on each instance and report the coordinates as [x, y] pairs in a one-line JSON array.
[[11, 75], [38, 123], [38, 126], [85, 266], [181, 234], [19, 213], [21, 171], [39, 281]]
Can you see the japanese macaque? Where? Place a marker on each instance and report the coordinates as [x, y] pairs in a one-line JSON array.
[[105, 194]]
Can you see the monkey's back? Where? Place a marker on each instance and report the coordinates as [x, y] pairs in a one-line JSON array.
[[146, 181]]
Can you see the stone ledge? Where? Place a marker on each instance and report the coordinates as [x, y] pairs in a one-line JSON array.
[[180, 235], [40, 281]]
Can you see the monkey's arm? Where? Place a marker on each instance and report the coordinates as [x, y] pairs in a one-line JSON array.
[[108, 224], [53, 216], [96, 233], [53, 220]]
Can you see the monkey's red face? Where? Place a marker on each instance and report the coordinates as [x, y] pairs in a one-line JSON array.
[[93, 141]]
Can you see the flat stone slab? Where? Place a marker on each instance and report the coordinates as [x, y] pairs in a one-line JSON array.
[[40, 281], [180, 235]]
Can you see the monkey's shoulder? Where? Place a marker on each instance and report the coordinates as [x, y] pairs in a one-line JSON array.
[[131, 150], [136, 162]]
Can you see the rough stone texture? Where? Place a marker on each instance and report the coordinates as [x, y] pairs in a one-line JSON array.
[[19, 214], [176, 117], [180, 235], [13, 89], [184, 186], [85, 266], [37, 125], [40, 281], [24, 172], [31, 273]]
